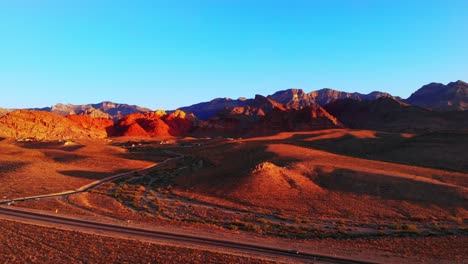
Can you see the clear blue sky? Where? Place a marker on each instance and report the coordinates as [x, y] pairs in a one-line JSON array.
[[166, 54]]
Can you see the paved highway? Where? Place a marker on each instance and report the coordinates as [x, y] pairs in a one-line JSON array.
[[158, 236], [173, 238]]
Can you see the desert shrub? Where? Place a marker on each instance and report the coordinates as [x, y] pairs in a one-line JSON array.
[[458, 220], [410, 228]]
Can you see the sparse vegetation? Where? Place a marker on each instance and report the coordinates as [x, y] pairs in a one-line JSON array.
[[52, 245], [300, 196]]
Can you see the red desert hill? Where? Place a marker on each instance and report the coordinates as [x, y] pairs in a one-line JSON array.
[[44, 125], [103, 125], [266, 116], [155, 124]]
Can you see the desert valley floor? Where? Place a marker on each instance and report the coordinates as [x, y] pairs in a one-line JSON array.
[[358, 194]]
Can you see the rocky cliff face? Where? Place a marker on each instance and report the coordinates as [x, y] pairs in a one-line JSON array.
[[179, 122], [209, 109], [105, 109], [266, 116], [293, 98], [155, 124], [288, 110], [98, 124], [4, 111], [325, 96], [453, 96], [257, 108], [44, 126], [303, 119]]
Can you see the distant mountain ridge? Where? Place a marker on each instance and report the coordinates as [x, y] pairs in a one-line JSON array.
[[437, 96], [293, 98], [389, 114], [453, 96], [264, 116], [206, 110], [326, 95], [106, 109], [434, 107]]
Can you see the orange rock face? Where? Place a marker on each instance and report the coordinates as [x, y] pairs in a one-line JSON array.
[[154, 124], [45, 126], [307, 118], [102, 125], [266, 116], [178, 123]]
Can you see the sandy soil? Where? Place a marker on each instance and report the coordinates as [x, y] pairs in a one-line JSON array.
[[50, 245], [34, 168]]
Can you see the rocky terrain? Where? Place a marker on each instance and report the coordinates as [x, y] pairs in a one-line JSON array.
[[375, 174], [105, 109], [4, 111], [293, 98], [264, 116], [287, 110], [39, 125], [206, 110], [453, 96], [155, 124], [325, 96], [389, 114]]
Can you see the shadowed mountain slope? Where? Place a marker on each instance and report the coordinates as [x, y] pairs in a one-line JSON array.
[[388, 114], [325, 96], [209, 109], [453, 96]]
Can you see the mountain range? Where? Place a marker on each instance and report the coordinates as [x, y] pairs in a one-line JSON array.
[[437, 96], [433, 107], [453, 96]]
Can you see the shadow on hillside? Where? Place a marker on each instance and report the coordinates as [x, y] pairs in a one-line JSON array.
[[445, 151], [146, 155], [2, 138], [95, 175], [64, 157], [10, 166], [230, 165], [391, 188], [49, 145]]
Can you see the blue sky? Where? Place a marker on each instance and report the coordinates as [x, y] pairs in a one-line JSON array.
[[166, 54]]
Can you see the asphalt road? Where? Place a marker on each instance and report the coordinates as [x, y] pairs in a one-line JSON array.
[[172, 238], [92, 185], [136, 233]]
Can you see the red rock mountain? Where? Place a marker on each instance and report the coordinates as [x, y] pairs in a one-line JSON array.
[[288, 110], [303, 119], [209, 109], [325, 96], [293, 98], [155, 124], [102, 125], [42, 125], [4, 111], [453, 96], [265, 116], [104, 109]]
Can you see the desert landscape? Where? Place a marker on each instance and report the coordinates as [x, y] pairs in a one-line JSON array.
[[234, 132], [310, 185]]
